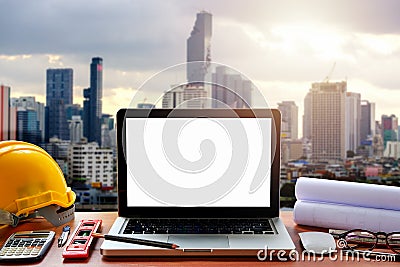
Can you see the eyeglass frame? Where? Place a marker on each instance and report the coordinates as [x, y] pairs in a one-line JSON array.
[[342, 236]]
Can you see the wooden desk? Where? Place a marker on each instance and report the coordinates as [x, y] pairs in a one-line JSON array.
[[54, 258]]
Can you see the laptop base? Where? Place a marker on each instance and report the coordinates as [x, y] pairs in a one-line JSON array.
[[200, 245]]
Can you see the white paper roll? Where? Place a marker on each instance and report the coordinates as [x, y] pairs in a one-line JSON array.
[[346, 217], [349, 193]]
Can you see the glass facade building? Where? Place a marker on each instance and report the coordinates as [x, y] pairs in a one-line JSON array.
[[59, 83], [92, 105]]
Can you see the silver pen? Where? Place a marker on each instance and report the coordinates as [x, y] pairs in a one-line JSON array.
[[64, 236]]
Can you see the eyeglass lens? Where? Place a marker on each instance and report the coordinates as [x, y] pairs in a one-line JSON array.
[[394, 242], [360, 240]]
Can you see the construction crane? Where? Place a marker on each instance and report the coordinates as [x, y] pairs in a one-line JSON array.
[[326, 80]]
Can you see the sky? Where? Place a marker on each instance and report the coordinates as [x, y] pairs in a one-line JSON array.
[[282, 46]]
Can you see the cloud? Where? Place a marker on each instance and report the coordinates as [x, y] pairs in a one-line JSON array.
[[55, 59], [274, 42], [136, 34], [14, 57]]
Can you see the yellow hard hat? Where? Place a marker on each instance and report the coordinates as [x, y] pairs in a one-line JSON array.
[[32, 184]]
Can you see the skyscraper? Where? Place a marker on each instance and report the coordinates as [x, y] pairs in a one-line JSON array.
[[12, 123], [327, 101], [4, 112], [367, 124], [289, 111], [230, 89], [59, 84], [352, 120], [195, 96], [389, 128], [198, 51], [90, 163], [199, 48], [173, 97], [76, 129], [92, 105], [28, 126], [73, 110], [29, 103], [307, 117], [107, 124], [186, 96]]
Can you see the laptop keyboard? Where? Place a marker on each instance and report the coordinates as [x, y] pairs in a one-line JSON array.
[[198, 226]]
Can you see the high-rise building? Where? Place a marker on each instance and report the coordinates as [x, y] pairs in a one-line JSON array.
[[367, 124], [186, 96], [107, 125], [4, 112], [73, 110], [199, 48], [173, 98], [59, 86], [392, 149], [57, 148], [92, 105], [28, 126], [195, 96], [91, 164], [352, 119], [377, 146], [290, 120], [198, 52], [230, 90], [76, 129], [13, 123], [389, 128], [108, 120], [328, 121], [291, 150], [29, 103], [398, 132], [307, 117]]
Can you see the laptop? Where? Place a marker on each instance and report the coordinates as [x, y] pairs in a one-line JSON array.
[[206, 180]]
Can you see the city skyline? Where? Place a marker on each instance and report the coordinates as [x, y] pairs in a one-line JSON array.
[[283, 47], [335, 76]]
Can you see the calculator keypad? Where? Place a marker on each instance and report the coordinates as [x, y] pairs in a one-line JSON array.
[[24, 247]]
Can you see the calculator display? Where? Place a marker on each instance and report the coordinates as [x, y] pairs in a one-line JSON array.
[[31, 236]]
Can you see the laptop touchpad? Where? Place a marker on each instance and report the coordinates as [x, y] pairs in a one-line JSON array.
[[199, 241]]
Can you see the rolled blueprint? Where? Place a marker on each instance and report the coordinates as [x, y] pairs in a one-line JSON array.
[[345, 217], [348, 193]]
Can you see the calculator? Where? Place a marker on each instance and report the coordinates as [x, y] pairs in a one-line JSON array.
[[26, 246]]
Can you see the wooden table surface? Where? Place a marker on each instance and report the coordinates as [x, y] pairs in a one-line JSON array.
[[54, 256]]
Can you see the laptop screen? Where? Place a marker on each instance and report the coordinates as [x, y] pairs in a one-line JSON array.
[[198, 162]]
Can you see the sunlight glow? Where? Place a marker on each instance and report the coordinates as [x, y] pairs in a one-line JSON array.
[[323, 42], [117, 98], [385, 44], [14, 57], [55, 59]]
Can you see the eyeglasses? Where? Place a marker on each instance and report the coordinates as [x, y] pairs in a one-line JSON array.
[[366, 240]]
